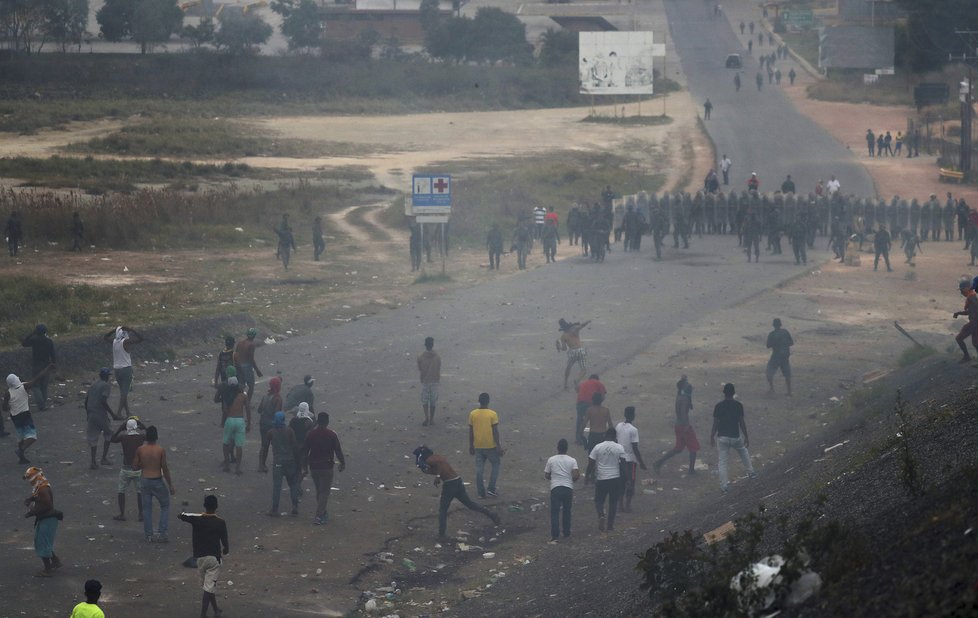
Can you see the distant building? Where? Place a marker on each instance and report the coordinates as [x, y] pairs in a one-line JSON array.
[[398, 19], [856, 47], [584, 23]]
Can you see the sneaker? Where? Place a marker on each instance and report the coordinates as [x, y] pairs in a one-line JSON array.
[[552, 542], [724, 488], [492, 493], [601, 523]]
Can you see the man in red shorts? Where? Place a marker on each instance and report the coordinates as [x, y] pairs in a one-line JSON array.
[[971, 328], [685, 436]]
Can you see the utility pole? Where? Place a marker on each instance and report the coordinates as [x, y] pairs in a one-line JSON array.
[[967, 100]]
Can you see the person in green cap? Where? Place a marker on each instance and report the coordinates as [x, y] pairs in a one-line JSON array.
[[244, 361]]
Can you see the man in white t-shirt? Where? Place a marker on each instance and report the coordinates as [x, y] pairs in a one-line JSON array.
[[562, 471], [833, 186], [628, 438], [604, 467]]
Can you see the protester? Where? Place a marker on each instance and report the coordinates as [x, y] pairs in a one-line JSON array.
[[685, 435], [134, 438], [236, 426], [562, 472], [244, 361], [484, 443], [97, 412], [89, 607], [570, 342], [301, 393], [150, 459], [627, 436], [40, 506], [17, 403], [270, 404], [42, 357], [210, 543], [730, 432], [970, 329], [429, 366], [321, 447], [123, 338], [452, 487], [585, 398], [779, 341], [604, 468], [284, 450]]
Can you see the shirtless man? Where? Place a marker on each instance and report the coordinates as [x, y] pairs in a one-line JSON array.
[[244, 361], [452, 487], [598, 419], [134, 438], [570, 342], [98, 412], [236, 425], [150, 459]]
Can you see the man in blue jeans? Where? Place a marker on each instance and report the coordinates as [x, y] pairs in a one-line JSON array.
[[730, 432], [284, 449], [485, 445], [151, 461], [562, 472]]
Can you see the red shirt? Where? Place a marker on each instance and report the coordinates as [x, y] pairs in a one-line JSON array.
[[321, 445], [587, 389], [551, 216]]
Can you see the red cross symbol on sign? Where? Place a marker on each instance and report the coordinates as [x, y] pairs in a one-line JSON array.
[[441, 185]]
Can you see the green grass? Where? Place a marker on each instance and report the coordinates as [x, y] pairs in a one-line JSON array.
[[97, 176], [153, 219], [202, 137], [805, 44], [645, 121], [65, 308], [915, 353]]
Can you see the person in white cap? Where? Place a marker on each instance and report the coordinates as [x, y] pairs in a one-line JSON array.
[[133, 438], [122, 339]]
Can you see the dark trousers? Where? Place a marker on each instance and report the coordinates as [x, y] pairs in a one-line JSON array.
[[494, 258], [290, 472], [801, 255], [886, 257], [455, 490], [608, 489], [561, 498]]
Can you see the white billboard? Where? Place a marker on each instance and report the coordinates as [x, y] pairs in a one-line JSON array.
[[616, 62]]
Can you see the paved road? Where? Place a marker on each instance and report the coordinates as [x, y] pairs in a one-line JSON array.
[[759, 131]]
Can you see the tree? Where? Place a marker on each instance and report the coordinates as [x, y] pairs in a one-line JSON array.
[[154, 21], [22, 21], [115, 19], [430, 14], [201, 34], [930, 34], [241, 33], [559, 47], [452, 39], [500, 36], [65, 21], [302, 22]]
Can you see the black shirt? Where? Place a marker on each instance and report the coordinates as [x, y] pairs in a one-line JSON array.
[[780, 342], [298, 394], [210, 533], [42, 349], [728, 414]]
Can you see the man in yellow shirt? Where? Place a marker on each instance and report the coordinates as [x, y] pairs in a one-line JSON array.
[[485, 445], [89, 608]]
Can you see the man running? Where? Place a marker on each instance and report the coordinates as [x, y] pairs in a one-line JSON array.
[[123, 338], [604, 468], [321, 447], [134, 438], [685, 436], [244, 361], [150, 459], [779, 341], [429, 366], [570, 342], [98, 411], [971, 328], [210, 542], [452, 487], [627, 436]]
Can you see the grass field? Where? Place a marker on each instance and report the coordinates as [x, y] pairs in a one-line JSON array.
[[209, 138]]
